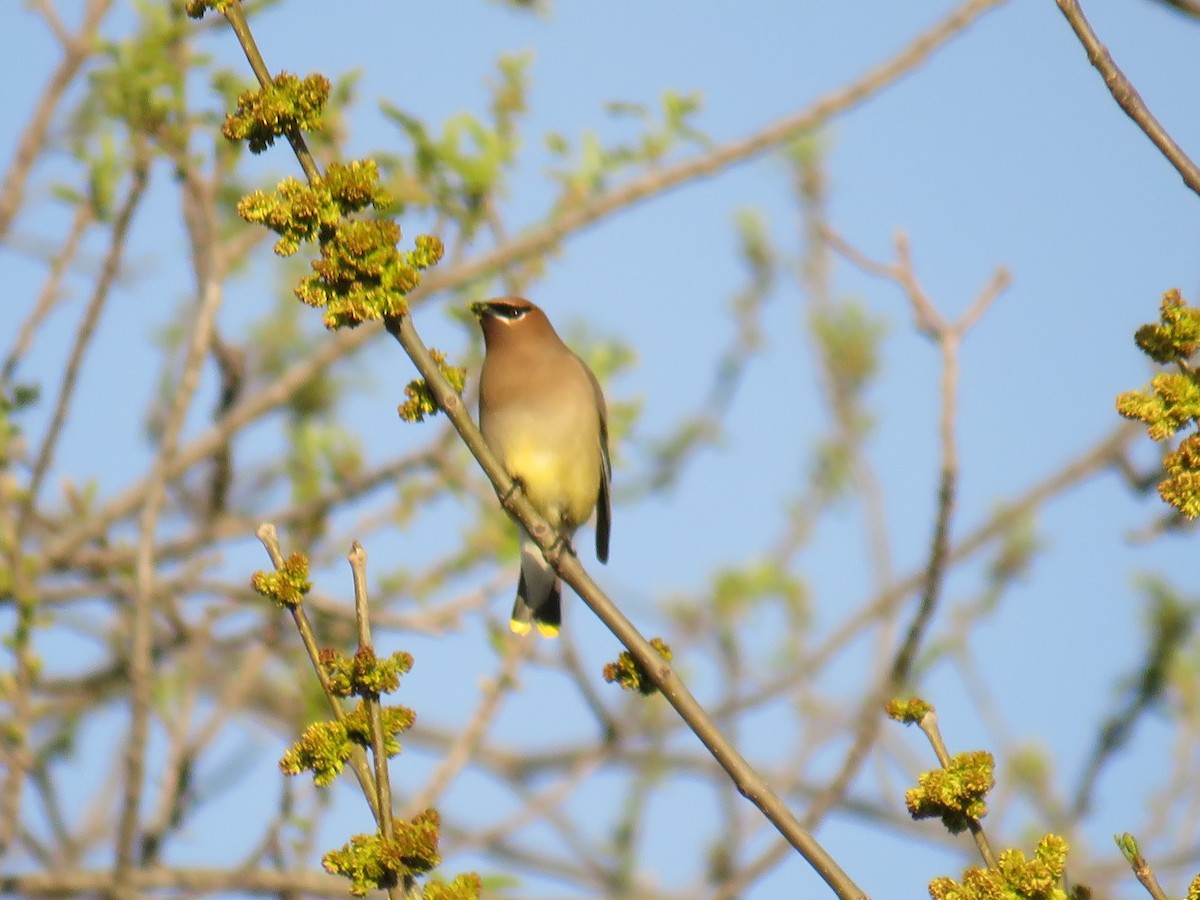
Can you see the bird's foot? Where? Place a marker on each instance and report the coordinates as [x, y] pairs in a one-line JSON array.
[[517, 486]]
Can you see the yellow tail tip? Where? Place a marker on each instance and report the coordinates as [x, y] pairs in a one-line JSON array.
[[546, 630], [516, 626]]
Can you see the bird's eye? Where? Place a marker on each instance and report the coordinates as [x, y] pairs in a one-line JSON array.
[[507, 311]]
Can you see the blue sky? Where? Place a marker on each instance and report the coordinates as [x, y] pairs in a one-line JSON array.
[[1004, 149]]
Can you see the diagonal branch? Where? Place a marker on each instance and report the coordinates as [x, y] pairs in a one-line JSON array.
[[659, 181], [1127, 96], [749, 782]]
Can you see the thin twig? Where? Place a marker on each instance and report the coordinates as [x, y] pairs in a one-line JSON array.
[[948, 336], [180, 756], [471, 736], [610, 724], [61, 550], [538, 805], [357, 557], [232, 527], [51, 293], [659, 181], [141, 663], [22, 590], [884, 603], [1127, 96], [270, 540], [84, 333], [33, 138], [816, 277], [237, 21], [54, 22], [929, 725], [1146, 877]]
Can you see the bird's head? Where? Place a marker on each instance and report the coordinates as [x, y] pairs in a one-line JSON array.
[[503, 317]]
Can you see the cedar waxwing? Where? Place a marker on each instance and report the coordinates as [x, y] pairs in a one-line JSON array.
[[542, 413]]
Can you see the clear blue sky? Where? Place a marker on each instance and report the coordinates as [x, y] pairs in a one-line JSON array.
[[1005, 149]]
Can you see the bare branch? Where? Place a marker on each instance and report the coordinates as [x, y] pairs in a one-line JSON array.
[[33, 139], [1127, 96], [749, 782]]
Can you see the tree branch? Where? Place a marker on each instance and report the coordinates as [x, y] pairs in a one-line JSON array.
[[749, 782], [33, 139], [1127, 96]]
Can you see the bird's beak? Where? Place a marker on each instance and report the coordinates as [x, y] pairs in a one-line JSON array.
[[479, 309]]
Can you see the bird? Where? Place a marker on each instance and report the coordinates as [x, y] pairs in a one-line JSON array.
[[543, 415]]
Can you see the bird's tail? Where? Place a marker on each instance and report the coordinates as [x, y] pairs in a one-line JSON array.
[[539, 594]]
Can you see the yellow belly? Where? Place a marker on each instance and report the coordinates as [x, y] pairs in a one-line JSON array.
[[561, 483]]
